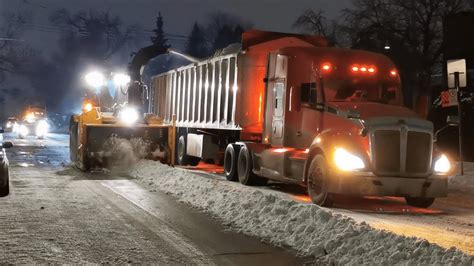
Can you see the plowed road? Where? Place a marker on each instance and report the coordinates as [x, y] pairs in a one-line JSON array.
[[56, 214]]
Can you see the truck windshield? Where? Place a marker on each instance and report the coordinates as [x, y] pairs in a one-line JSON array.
[[354, 91]]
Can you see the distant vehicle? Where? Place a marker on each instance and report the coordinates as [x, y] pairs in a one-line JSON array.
[[33, 123], [4, 174], [10, 124]]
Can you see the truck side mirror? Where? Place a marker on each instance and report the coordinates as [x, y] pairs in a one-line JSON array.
[[452, 120], [7, 145]]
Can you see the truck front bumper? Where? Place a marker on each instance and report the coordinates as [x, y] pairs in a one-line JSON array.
[[367, 184]]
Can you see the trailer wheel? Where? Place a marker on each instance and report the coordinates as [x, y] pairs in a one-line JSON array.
[[244, 169], [316, 181], [230, 163], [419, 202], [183, 158]]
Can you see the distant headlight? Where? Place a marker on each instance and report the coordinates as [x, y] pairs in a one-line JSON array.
[[9, 124], [23, 130], [442, 164], [347, 161], [129, 115], [42, 128]]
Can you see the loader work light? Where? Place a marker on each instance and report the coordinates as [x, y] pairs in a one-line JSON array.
[[94, 79], [347, 161], [121, 79], [129, 115]]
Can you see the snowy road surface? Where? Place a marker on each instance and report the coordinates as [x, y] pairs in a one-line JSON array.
[[56, 214]]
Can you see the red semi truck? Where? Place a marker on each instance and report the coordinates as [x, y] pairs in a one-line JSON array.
[[287, 107]]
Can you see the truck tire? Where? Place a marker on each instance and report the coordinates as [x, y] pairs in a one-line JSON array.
[[5, 189], [182, 157], [244, 169], [316, 181], [73, 140], [230, 162], [419, 202]]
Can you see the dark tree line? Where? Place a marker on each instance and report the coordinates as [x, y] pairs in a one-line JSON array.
[[412, 30]]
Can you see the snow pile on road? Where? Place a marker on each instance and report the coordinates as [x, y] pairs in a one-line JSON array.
[[463, 183], [276, 218]]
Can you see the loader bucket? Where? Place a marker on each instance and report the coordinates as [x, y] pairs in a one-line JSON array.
[[147, 141]]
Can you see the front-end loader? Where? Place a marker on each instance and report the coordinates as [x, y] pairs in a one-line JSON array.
[[107, 121]]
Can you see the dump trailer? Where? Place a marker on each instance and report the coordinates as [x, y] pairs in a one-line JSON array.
[[112, 124], [290, 108]]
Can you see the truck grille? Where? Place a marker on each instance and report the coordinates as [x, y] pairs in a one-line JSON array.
[[401, 153]]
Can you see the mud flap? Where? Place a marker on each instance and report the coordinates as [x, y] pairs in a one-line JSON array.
[[153, 139]]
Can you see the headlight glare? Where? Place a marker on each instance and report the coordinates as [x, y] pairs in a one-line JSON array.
[[42, 128], [95, 79], [129, 115], [23, 130], [442, 164], [346, 161], [121, 79]]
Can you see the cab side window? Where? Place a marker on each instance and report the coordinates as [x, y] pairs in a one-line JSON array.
[[309, 93]]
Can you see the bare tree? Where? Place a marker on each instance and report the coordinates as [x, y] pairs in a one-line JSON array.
[[15, 54]]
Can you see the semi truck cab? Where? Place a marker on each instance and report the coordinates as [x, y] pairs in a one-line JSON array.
[[335, 122]]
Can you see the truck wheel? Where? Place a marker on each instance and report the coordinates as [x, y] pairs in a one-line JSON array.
[[182, 157], [419, 202], [316, 182], [73, 140], [230, 163], [5, 190], [244, 169]]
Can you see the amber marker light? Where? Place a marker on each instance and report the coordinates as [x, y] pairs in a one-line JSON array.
[[393, 73], [326, 67]]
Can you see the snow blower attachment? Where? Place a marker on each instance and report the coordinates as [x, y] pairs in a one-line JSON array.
[[101, 140], [112, 128]]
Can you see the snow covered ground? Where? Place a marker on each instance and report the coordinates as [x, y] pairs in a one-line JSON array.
[[283, 221], [463, 183]]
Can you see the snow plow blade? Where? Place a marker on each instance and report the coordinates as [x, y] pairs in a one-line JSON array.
[[105, 144]]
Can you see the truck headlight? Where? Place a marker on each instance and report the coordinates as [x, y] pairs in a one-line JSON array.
[[23, 130], [347, 161], [442, 164], [42, 128], [129, 115]]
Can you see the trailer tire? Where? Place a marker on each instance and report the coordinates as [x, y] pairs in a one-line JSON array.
[[316, 181], [245, 169], [182, 157], [419, 202], [230, 162]]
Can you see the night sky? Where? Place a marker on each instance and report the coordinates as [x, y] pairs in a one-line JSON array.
[[179, 15]]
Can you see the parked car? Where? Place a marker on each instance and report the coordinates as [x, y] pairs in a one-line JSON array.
[[4, 174]]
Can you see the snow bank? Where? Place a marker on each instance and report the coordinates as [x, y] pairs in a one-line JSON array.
[[309, 229], [463, 183]]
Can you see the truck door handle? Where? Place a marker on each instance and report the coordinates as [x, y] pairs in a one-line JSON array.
[[298, 133]]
